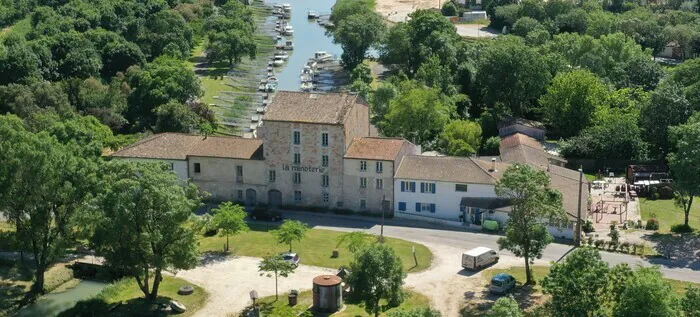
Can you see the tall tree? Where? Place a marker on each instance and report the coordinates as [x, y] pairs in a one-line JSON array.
[[290, 231], [578, 285], [175, 117], [647, 294], [230, 219], [461, 138], [533, 201], [668, 99], [143, 209], [356, 34], [691, 302], [275, 264], [43, 186], [377, 274], [355, 240], [163, 30], [571, 100], [684, 164]]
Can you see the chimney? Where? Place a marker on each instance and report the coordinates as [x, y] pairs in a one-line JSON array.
[[493, 165]]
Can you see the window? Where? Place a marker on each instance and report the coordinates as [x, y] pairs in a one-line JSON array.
[[273, 176], [172, 166], [239, 174], [427, 188], [423, 207], [460, 187], [380, 167], [408, 186], [363, 204], [380, 183], [324, 160], [339, 204], [297, 196], [325, 197], [297, 137], [240, 194], [324, 180], [296, 177], [402, 206], [197, 168], [324, 139], [363, 182], [297, 158], [363, 166]]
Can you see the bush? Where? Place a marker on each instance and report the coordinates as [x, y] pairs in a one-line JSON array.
[[652, 224], [666, 192], [600, 243], [588, 226], [625, 246], [612, 245], [491, 146], [681, 228], [449, 9], [590, 242]]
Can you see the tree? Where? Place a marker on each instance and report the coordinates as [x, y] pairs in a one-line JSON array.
[[290, 231], [505, 307], [376, 274], [108, 103], [345, 8], [668, 99], [143, 209], [18, 63], [417, 114], [683, 164], [574, 21], [23, 100], [533, 201], [513, 74], [417, 312], [362, 73], [355, 240], [647, 294], [118, 56], [461, 138], [166, 29], [275, 264], [231, 45], [43, 186], [230, 218], [571, 100], [449, 9], [175, 117], [691, 302], [578, 285], [523, 26], [356, 34]]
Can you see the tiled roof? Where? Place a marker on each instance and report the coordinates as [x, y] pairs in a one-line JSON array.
[[372, 148], [444, 168], [328, 108], [520, 148], [177, 146]]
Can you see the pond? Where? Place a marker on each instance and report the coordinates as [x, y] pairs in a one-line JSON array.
[[309, 37], [52, 304]]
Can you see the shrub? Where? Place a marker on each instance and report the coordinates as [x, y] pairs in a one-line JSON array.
[[614, 234], [652, 224], [666, 192], [600, 243], [625, 246], [588, 226], [449, 9], [590, 241], [681, 228], [491, 146], [612, 245]]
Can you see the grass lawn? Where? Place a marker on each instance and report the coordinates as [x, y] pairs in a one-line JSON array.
[[668, 213], [315, 249], [127, 292], [21, 27], [413, 300], [210, 75]]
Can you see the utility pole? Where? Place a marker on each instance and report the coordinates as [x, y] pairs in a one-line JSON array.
[[578, 220], [381, 231]]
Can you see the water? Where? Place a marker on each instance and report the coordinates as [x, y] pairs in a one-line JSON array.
[[309, 37], [52, 304]]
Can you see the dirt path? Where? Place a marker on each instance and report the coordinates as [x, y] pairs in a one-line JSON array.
[[398, 10]]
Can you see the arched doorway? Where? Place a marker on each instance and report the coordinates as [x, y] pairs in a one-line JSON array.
[[274, 198], [251, 197]]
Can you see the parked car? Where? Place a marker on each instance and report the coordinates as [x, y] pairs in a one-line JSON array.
[[479, 257], [502, 283], [264, 214], [292, 258]]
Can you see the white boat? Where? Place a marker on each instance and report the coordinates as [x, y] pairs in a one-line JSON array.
[[278, 62], [323, 56], [287, 7], [306, 78], [288, 45], [271, 87], [312, 15], [311, 63], [282, 54], [277, 6], [307, 70], [288, 30], [307, 86], [272, 80]]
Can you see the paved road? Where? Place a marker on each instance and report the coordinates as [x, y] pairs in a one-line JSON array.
[[674, 269]]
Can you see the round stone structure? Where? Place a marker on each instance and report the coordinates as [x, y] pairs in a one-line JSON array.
[[328, 293]]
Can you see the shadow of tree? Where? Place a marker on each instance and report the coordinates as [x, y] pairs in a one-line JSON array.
[[676, 250]]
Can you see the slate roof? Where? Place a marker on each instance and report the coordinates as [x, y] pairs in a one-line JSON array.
[[373, 148], [178, 146], [303, 107], [444, 168]]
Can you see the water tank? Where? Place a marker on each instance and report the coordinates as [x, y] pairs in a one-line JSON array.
[[328, 293]]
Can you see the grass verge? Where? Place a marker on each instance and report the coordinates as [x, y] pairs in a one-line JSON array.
[[668, 213], [315, 249]]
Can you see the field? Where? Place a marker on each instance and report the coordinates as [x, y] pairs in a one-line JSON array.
[[413, 300], [315, 249], [668, 213]]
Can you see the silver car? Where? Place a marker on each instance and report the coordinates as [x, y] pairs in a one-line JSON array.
[[292, 258]]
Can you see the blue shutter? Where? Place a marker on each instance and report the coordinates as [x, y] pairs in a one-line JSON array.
[[402, 206], [422, 187], [434, 186], [403, 186], [432, 208], [418, 207]]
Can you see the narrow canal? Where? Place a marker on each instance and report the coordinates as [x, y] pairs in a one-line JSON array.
[[309, 37], [52, 304]]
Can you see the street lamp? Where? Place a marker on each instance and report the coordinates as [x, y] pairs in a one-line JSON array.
[[254, 297]]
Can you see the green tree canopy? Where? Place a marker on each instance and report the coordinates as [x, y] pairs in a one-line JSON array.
[[142, 210], [175, 117], [290, 231], [668, 99], [230, 219], [461, 138], [691, 302], [277, 266], [355, 240], [377, 274], [356, 34], [505, 306], [684, 162], [646, 294]]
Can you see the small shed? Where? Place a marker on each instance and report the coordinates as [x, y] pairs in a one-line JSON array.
[[327, 293]]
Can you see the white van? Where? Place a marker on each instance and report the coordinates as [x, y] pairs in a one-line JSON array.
[[479, 257]]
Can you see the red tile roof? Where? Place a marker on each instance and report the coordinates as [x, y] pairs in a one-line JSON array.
[[178, 146], [374, 148], [328, 108]]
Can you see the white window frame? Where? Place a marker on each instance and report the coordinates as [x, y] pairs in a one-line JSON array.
[[324, 139], [380, 183], [325, 180], [363, 182], [379, 167], [363, 166], [296, 178], [324, 160], [296, 137], [297, 158], [297, 196], [272, 176]]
